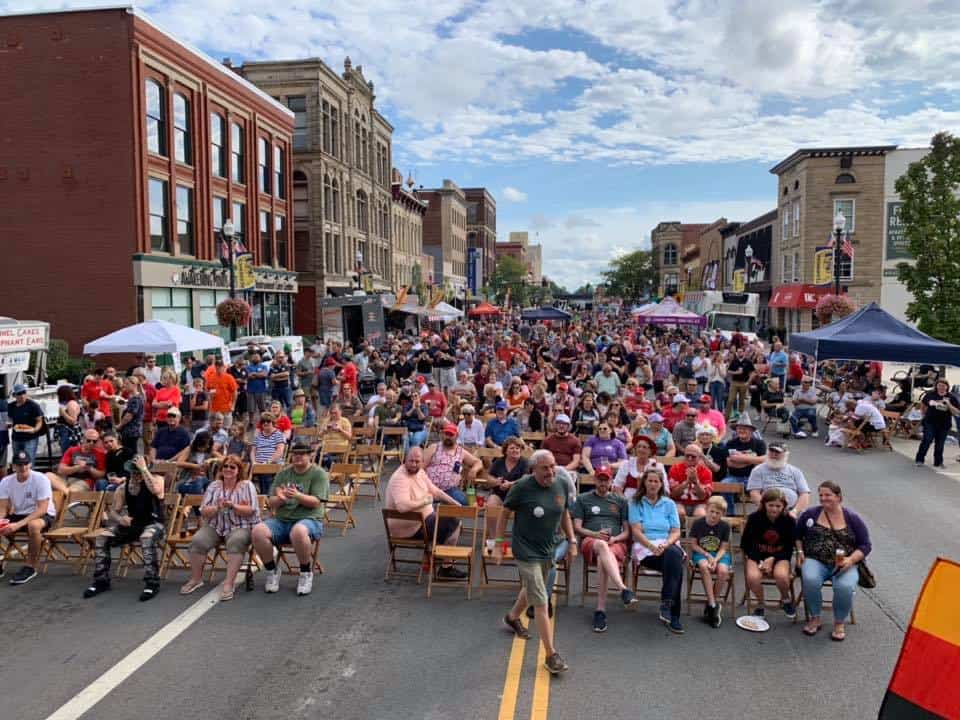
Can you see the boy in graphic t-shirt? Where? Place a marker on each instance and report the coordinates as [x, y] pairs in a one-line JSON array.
[[711, 542]]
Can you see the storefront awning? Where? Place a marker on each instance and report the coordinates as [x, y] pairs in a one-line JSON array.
[[797, 297]]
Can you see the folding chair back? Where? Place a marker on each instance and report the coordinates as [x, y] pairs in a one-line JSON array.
[[491, 578], [344, 474], [389, 436], [370, 460], [186, 522], [397, 545], [168, 470], [459, 554], [65, 540], [737, 491]]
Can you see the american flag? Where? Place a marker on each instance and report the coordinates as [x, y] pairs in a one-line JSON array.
[[830, 240], [847, 246]]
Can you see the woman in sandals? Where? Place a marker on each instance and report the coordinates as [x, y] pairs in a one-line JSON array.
[[230, 509], [831, 543]]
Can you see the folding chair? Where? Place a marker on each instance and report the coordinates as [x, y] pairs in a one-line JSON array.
[[131, 553], [396, 434], [486, 560], [395, 545], [369, 457], [270, 469], [766, 582], [639, 571], [185, 524], [827, 603], [459, 553], [344, 474], [309, 435], [58, 540], [336, 447], [17, 545], [590, 569], [488, 455], [253, 562], [533, 438], [738, 493], [694, 574], [169, 472]]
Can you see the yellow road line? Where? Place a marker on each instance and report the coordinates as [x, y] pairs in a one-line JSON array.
[[541, 685], [511, 683]]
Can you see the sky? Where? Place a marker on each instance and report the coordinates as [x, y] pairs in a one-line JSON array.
[[591, 121]]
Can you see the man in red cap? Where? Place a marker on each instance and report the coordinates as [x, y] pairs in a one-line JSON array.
[[710, 416], [449, 466]]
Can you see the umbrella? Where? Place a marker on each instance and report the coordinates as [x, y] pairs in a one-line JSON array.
[[483, 309]]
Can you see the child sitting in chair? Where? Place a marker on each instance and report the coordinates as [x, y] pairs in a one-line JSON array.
[[711, 554]]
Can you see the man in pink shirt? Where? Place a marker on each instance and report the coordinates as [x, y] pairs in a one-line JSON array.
[[709, 416], [410, 490]]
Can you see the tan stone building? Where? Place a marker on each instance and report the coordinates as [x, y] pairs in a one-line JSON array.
[[813, 185], [445, 236], [407, 232], [342, 179], [671, 241]]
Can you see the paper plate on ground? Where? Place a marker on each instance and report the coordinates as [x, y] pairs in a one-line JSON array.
[[753, 623]]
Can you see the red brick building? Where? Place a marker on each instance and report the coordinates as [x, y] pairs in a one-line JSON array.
[[122, 151]]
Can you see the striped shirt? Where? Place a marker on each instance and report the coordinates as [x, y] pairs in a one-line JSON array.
[[266, 446], [226, 522]]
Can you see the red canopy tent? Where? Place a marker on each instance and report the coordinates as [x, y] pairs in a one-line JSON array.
[[484, 309]]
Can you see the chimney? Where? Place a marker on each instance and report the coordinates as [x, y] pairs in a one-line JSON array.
[[227, 62]]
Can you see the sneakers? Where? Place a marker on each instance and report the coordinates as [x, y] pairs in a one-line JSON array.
[[788, 609], [627, 597], [717, 617], [24, 575], [97, 588], [918, 463], [149, 592], [665, 613], [599, 621], [305, 583], [555, 664], [272, 584], [518, 629], [800, 434], [531, 614], [675, 627], [449, 572]]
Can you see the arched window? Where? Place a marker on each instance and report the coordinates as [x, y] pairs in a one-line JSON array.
[[327, 198], [335, 204], [845, 179], [301, 196], [670, 254], [362, 218], [357, 154], [364, 148]]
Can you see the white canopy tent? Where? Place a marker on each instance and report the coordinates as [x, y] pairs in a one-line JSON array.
[[156, 336], [444, 312]]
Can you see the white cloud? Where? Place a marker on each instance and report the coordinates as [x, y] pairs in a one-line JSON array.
[[511, 194]]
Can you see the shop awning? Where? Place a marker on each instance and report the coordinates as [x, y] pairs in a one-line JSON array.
[[798, 297]]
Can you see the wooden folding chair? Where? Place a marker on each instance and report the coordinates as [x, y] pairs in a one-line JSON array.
[[168, 470], [69, 533], [488, 580], [533, 438], [397, 545], [827, 602], [370, 459], [17, 545], [738, 493], [310, 435], [456, 554], [394, 434], [186, 521], [488, 455], [336, 447], [270, 469], [639, 572], [668, 461], [344, 474], [131, 553], [287, 557], [766, 582], [694, 574]]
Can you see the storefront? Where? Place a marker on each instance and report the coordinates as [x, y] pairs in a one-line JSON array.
[[188, 291], [795, 304]]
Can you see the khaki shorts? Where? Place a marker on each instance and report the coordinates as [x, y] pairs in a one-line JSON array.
[[206, 539], [533, 577]]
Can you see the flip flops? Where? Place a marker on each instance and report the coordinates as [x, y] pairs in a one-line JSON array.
[[226, 594], [811, 632], [838, 635], [190, 587]]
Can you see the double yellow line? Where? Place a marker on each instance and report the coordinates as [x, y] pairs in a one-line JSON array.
[[541, 683]]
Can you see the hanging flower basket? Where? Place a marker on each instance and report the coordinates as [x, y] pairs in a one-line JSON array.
[[833, 307], [233, 311]]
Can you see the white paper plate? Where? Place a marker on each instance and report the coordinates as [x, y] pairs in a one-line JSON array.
[[753, 623]]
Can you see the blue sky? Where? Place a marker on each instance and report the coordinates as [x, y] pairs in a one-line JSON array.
[[592, 120]]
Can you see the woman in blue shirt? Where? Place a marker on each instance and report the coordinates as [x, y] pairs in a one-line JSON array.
[[656, 529], [660, 435]]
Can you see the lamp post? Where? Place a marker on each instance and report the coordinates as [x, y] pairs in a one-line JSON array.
[[839, 223], [748, 255], [226, 236]]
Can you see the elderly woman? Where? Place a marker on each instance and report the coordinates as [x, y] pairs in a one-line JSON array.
[[627, 479], [603, 449], [655, 527], [660, 436], [229, 509], [831, 542], [767, 545]]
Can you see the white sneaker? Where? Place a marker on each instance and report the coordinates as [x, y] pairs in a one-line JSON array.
[[801, 434], [305, 583], [273, 581]]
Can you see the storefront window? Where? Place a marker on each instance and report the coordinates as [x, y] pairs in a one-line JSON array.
[[271, 314], [285, 314], [208, 300], [172, 305], [256, 321]]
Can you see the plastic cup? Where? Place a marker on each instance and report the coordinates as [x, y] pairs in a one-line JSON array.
[[481, 500], [490, 545]]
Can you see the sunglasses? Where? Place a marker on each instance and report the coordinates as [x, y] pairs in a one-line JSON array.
[[691, 456], [692, 415]]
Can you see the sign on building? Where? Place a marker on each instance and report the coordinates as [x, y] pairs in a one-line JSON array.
[[739, 278], [897, 245], [24, 337], [14, 362], [244, 277], [823, 266], [473, 255]]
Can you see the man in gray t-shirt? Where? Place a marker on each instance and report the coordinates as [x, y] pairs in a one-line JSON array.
[[777, 473]]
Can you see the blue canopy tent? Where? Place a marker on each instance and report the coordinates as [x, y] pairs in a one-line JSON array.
[[544, 314], [871, 333]]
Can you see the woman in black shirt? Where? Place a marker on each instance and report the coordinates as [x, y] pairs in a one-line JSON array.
[[767, 545], [939, 409]]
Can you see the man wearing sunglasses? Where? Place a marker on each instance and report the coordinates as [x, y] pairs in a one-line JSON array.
[[685, 430], [691, 483], [83, 465]]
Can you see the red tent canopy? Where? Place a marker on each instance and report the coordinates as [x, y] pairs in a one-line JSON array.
[[483, 309]]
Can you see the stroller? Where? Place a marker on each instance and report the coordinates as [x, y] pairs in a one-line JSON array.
[[367, 385]]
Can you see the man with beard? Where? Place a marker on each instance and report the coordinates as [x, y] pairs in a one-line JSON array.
[[449, 466], [565, 447], [777, 473]]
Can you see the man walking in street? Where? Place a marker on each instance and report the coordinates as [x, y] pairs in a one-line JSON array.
[[540, 503]]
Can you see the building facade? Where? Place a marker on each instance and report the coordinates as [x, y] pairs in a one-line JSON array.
[[518, 246], [669, 240], [342, 179], [407, 212], [445, 236], [482, 232], [131, 151], [749, 260], [894, 295], [702, 268], [813, 185]]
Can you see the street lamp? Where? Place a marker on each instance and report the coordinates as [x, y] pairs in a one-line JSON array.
[[839, 223], [226, 236], [748, 255]]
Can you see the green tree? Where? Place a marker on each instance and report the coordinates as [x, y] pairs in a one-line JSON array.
[[510, 273], [930, 216], [631, 276], [584, 290]]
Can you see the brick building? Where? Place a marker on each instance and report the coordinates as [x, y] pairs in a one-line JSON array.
[[482, 231], [530, 254], [445, 236], [812, 186], [753, 239], [669, 240], [407, 232], [124, 152], [342, 179]]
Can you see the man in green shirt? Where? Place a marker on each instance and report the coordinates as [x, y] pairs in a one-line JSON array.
[[600, 518], [540, 503], [388, 413], [297, 497]]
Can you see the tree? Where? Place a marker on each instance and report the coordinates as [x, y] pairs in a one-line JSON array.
[[510, 273], [631, 276], [930, 217], [584, 290]]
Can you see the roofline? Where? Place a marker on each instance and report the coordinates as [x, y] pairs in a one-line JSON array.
[[804, 153], [768, 217]]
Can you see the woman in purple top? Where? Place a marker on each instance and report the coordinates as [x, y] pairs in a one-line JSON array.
[[603, 449]]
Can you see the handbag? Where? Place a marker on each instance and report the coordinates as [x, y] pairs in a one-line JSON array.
[[865, 577]]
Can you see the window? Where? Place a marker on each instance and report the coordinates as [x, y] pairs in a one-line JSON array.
[[301, 249], [786, 268], [356, 142], [796, 218], [325, 122], [298, 106], [845, 179], [327, 198], [220, 211], [785, 220], [670, 254], [159, 228], [208, 301], [846, 267], [328, 258], [237, 172], [364, 145], [301, 196], [263, 165], [156, 118], [185, 220], [266, 240], [173, 305], [362, 217], [849, 209], [182, 137], [279, 165], [670, 283], [280, 230], [336, 199], [797, 275], [240, 225], [218, 148]]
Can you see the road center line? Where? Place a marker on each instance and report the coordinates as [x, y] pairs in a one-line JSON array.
[[511, 683], [106, 683], [541, 683]]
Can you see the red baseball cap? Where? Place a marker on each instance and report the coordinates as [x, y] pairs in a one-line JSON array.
[[450, 429], [705, 399], [603, 471], [421, 378], [562, 386]]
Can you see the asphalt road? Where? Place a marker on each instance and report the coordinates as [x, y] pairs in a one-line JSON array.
[[361, 648]]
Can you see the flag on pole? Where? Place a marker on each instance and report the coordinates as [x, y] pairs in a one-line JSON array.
[[923, 686], [830, 240], [847, 246]]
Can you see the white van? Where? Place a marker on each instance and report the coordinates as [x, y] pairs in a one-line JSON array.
[[276, 344]]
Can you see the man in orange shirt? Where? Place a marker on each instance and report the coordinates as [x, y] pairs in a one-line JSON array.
[[222, 389]]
